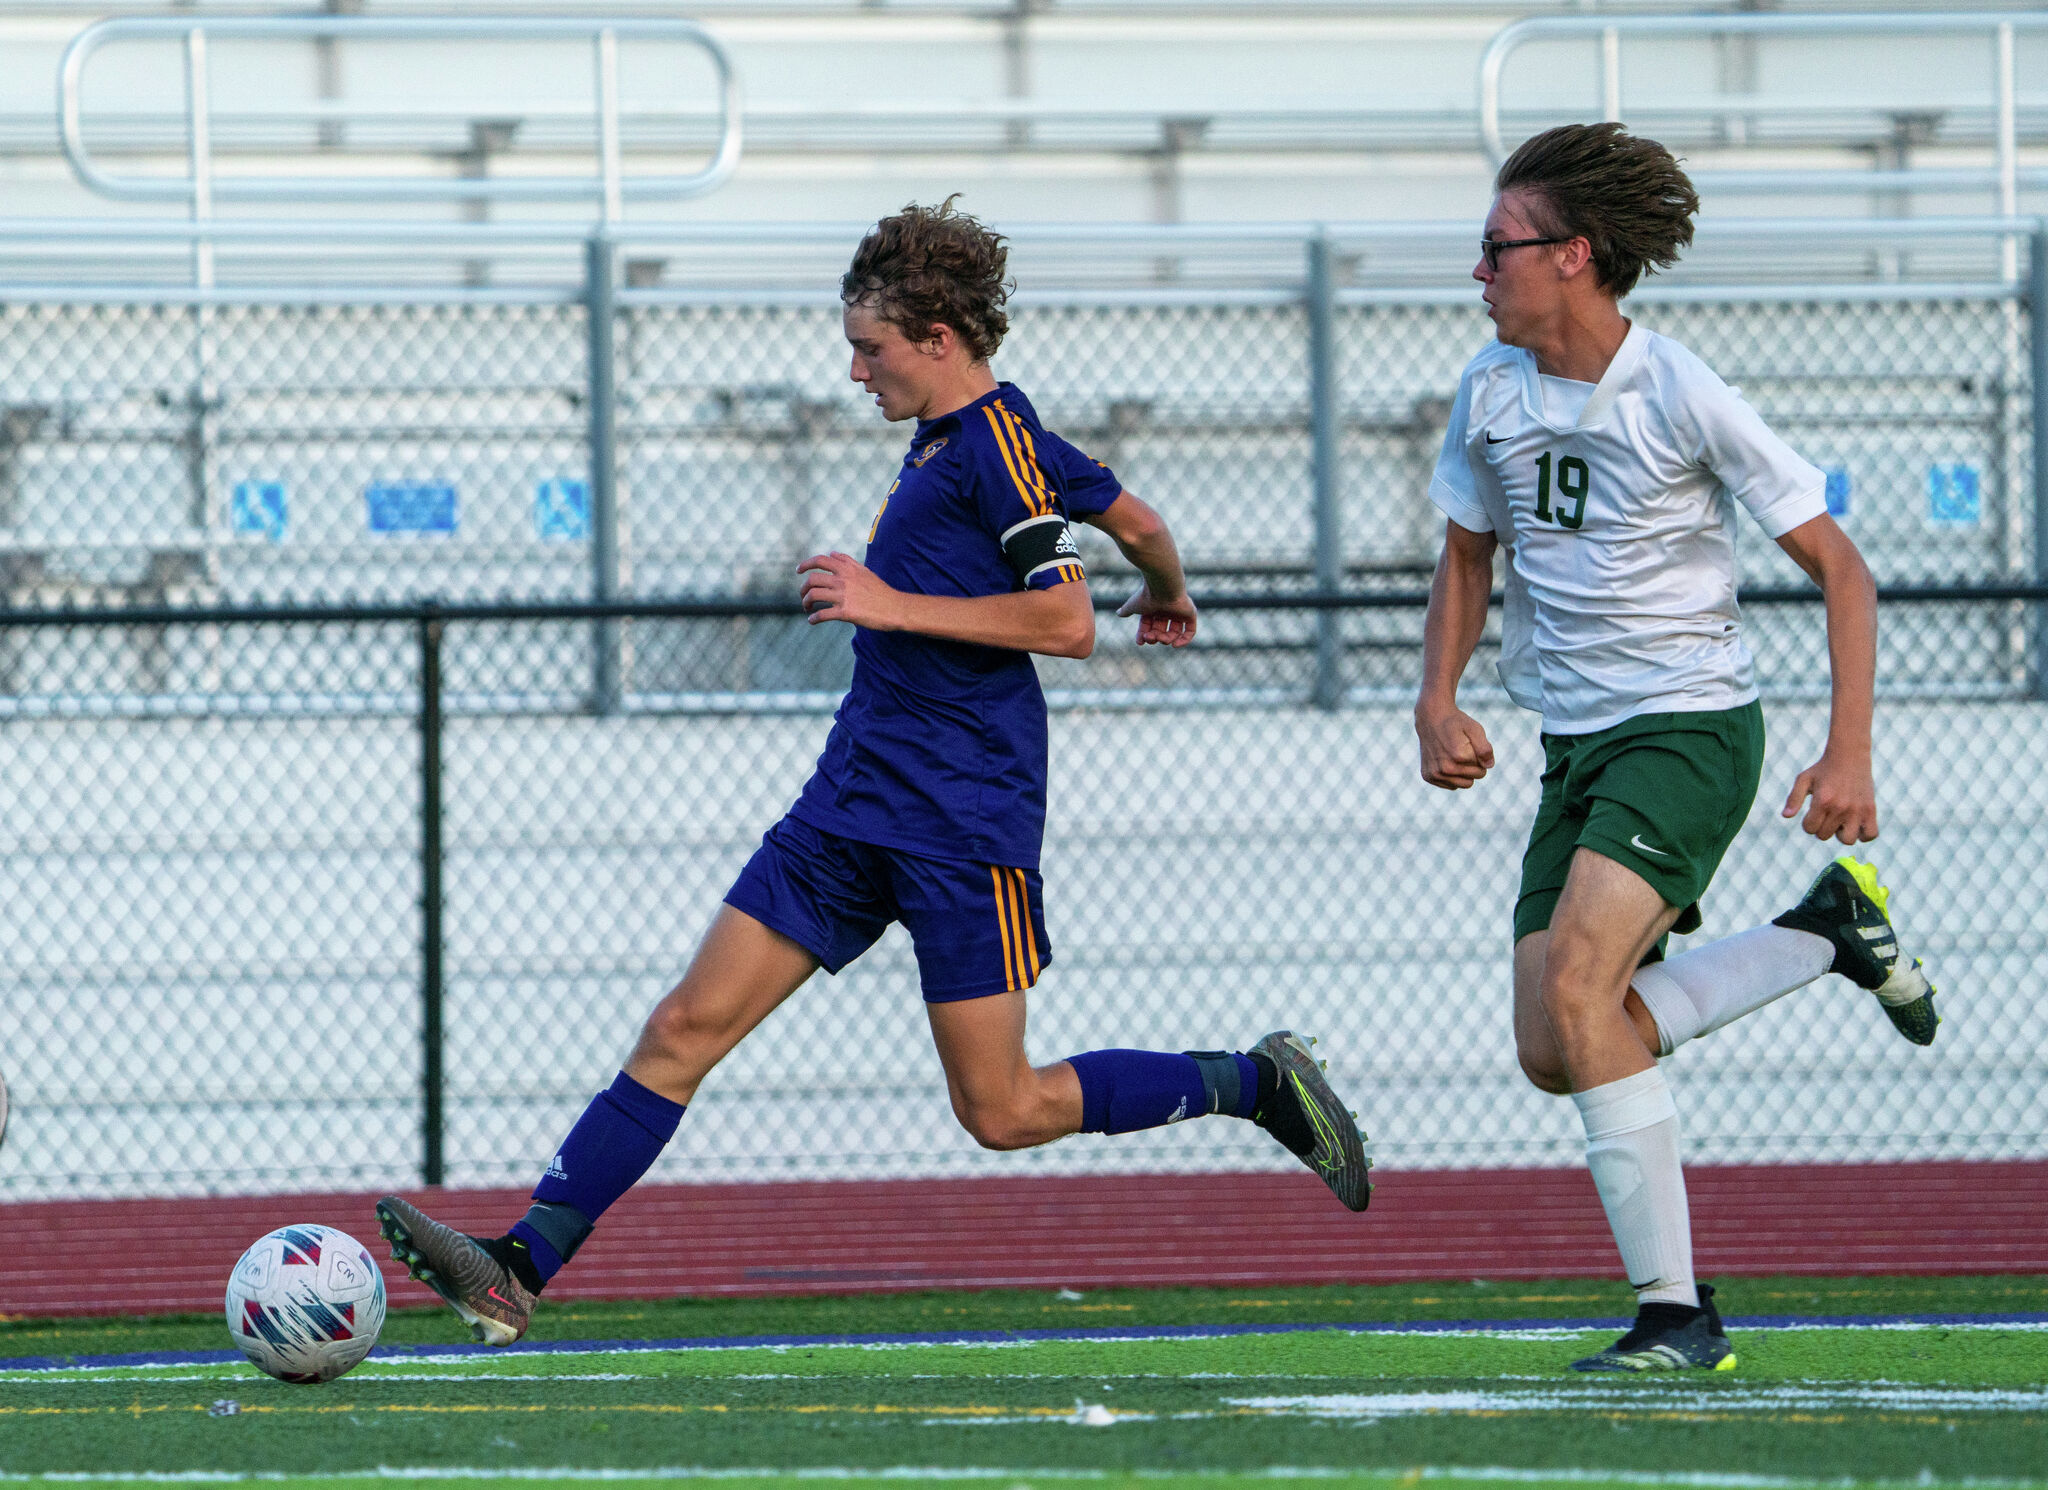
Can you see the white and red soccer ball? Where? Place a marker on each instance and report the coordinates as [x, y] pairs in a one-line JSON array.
[[305, 1303]]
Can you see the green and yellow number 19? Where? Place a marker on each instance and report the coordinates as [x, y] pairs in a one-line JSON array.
[[1572, 481]]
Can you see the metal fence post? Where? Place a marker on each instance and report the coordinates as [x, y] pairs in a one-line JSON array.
[[1323, 435], [2037, 337], [432, 1121], [600, 308]]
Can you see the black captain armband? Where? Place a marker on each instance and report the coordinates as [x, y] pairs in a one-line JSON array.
[[1039, 545]]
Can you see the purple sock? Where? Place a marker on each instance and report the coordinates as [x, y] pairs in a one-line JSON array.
[[621, 1133], [1123, 1091]]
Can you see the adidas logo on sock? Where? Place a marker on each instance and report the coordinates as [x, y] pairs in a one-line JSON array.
[[555, 1170]]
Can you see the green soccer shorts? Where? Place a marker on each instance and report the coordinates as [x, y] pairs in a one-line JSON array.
[[1664, 794]]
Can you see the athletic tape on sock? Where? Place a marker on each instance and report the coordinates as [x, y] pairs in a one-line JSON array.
[[1220, 1079], [1673, 1012], [562, 1227], [1625, 1106]]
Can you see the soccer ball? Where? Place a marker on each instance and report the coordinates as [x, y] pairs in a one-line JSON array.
[[305, 1303]]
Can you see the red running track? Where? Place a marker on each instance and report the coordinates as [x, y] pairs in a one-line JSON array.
[[149, 1256]]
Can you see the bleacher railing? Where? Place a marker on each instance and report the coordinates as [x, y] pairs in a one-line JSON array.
[[1843, 115], [1999, 28], [610, 187]]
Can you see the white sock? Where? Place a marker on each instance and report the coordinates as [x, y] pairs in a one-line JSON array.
[[1632, 1149], [1697, 992]]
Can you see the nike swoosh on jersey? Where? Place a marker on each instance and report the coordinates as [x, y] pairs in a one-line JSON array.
[[1637, 842], [1501, 441]]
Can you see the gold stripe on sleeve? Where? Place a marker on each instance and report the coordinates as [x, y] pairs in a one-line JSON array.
[[1010, 460], [1027, 453]]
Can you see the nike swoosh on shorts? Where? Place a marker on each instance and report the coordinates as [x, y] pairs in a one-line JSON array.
[[1637, 842]]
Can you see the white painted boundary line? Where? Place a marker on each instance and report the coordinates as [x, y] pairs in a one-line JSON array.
[[1536, 1332]]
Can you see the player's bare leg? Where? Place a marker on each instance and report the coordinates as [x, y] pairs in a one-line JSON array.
[[998, 1095], [741, 972], [1536, 1044], [1585, 1027], [1606, 919]]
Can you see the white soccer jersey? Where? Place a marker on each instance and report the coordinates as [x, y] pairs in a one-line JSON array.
[[1621, 558]]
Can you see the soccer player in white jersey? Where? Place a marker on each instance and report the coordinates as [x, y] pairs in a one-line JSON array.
[[1608, 461]]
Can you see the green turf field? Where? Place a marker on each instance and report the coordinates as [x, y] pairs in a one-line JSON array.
[[1951, 1403]]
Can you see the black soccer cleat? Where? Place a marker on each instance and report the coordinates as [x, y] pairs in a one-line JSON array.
[[1305, 1115], [1847, 905], [1669, 1337]]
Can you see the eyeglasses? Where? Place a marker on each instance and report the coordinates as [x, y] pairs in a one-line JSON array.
[[1490, 248]]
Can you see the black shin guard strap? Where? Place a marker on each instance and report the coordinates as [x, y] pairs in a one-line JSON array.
[[1222, 1082], [564, 1226]]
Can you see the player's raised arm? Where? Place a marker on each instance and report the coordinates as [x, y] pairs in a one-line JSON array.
[[1455, 750], [1165, 610], [1840, 784]]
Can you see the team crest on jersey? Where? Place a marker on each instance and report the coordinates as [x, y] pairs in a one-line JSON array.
[[928, 452]]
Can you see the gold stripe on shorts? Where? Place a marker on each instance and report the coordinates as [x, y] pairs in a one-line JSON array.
[[1025, 931], [995, 875]]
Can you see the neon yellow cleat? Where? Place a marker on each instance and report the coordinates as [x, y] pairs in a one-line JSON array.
[[1847, 905]]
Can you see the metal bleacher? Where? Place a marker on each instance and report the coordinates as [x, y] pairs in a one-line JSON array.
[[1048, 110]]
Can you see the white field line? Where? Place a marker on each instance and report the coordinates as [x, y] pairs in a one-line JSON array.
[[1737, 1399], [1372, 1407], [509, 1363]]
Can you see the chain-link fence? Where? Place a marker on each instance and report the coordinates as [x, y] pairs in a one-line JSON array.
[[266, 447], [218, 843], [234, 916]]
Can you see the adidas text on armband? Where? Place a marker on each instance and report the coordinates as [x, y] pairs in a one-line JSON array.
[[1041, 543]]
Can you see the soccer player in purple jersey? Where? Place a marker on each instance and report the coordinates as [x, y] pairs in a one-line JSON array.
[[928, 803]]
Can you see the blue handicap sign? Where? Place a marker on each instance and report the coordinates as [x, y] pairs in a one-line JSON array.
[[561, 508], [1839, 490], [1954, 496], [260, 507], [411, 506]]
